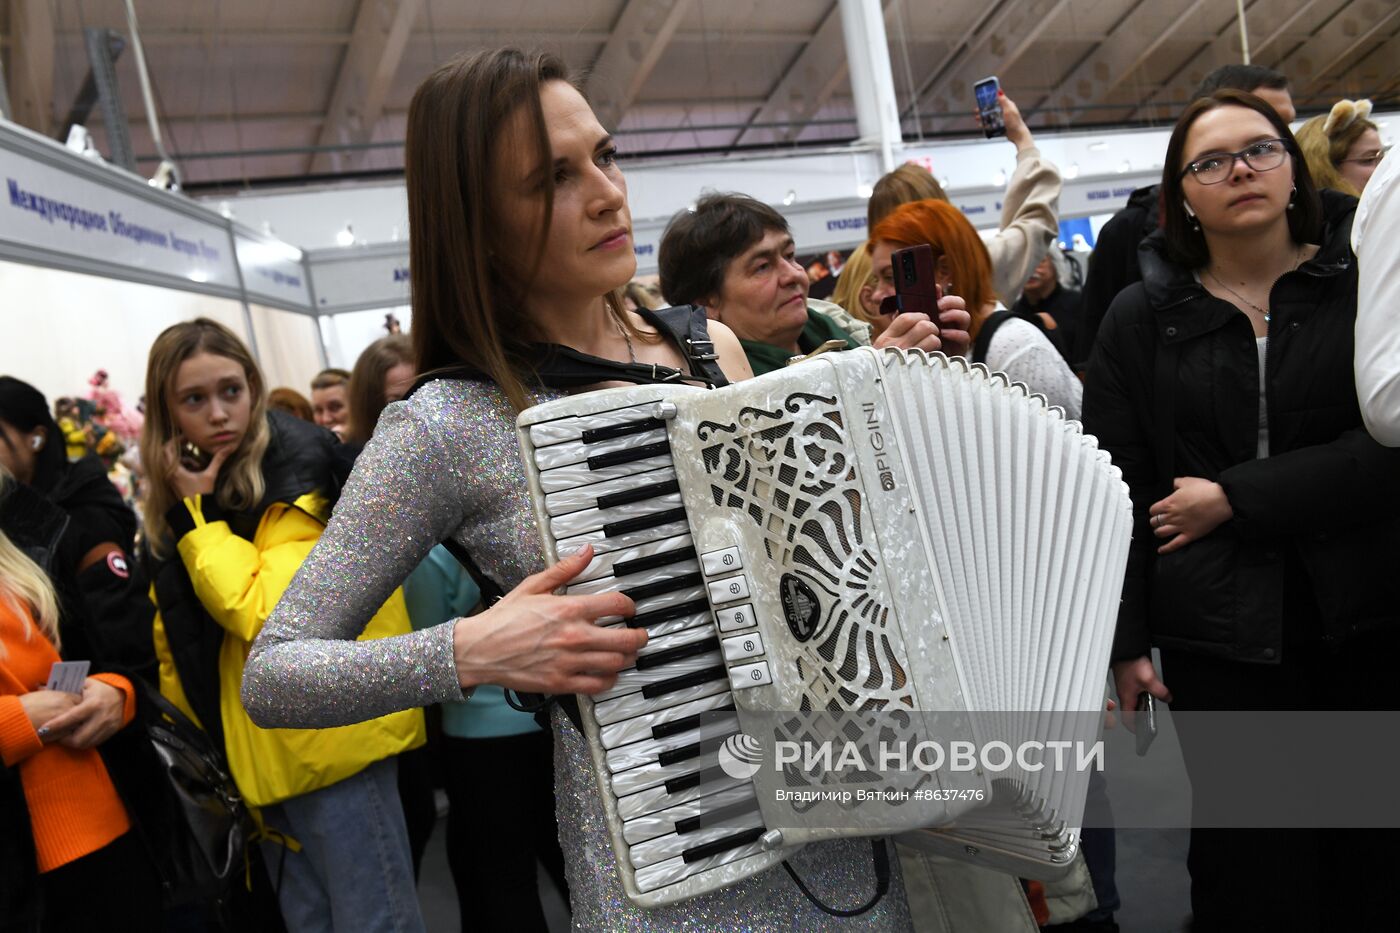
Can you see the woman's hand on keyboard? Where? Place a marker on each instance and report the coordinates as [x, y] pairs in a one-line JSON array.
[[536, 642]]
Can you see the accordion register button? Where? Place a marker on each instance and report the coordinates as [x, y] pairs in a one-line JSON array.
[[750, 675], [743, 646], [718, 562], [729, 589], [731, 620]]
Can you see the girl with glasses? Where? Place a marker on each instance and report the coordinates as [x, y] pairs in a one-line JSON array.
[[1343, 147], [1267, 518]]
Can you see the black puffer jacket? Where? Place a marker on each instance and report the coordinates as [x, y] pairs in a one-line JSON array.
[[1327, 491], [39, 529]]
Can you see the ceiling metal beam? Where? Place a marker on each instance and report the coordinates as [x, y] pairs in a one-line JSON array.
[[31, 65], [807, 83], [639, 38], [452, 37], [1007, 37], [1269, 22], [1129, 44], [1336, 43], [382, 28]]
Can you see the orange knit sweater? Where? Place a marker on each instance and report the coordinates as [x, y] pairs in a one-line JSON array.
[[73, 806]]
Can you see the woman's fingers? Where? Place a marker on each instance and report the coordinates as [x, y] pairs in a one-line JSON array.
[[551, 578]]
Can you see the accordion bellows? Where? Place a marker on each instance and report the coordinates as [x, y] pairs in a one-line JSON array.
[[873, 536]]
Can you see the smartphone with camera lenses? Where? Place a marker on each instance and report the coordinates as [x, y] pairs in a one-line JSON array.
[[194, 458], [988, 94], [915, 289]]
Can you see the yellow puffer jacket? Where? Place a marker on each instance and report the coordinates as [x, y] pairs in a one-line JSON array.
[[239, 582]]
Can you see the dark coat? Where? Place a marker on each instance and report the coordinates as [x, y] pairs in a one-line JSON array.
[[115, 593], [39, 529], [1327, 493], [1113, 266]]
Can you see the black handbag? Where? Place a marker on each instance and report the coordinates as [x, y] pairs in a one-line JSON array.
[[206, 856]]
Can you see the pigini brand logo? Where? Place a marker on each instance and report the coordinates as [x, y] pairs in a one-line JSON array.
[[741, 756], [800, 606]]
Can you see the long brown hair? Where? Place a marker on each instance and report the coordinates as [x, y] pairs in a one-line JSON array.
[[367, 398], [1186, 244], [240, 486], [943, 226], [466, 302]]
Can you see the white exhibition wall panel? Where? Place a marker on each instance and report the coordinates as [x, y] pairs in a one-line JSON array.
[[61, 327], [346, 335], [288, 348]]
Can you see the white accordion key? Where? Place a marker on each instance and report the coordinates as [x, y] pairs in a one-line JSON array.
[[665, 847], [664, 822], [657, 799], [573, 428], [689, 671], [581, 474], [676, 870], [611, 452], [634, 487], [664, 508], [683, 746], [632, 705], [648, 726]]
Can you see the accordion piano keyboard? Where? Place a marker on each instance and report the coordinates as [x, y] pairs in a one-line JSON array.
[[608, 481]]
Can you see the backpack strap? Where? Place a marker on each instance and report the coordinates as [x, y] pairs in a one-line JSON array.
[[986, 332]]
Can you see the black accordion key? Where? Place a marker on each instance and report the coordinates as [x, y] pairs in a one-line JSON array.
[[657, 616], [643, 522], [629, 455], [662, 587], [626, 568], [694, 779], [694, 679], [686, 723], [594, 435], [640, 494], [718, 815], [699, 853], [662, 658]]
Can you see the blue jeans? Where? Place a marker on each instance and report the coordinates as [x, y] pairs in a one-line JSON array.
[[354, 870]]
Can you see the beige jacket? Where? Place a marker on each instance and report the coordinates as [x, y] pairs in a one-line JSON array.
[[1030, 222]]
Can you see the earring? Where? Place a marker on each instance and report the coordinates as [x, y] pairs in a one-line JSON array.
[[36, 442], [1195, 224], [1291, 195]]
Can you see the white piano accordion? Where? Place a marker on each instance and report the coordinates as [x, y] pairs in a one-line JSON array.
[[874, 531]]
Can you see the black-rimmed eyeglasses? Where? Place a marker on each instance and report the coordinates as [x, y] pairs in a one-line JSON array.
[[1262, 156]]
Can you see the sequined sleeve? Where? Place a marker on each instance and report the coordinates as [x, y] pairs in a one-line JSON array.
[[306, 670]]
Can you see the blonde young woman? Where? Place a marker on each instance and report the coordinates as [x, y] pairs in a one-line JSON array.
[[70, 854], [238, 496], [1342, 147]]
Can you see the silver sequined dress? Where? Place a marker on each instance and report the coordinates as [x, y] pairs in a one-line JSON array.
[[446, 463]]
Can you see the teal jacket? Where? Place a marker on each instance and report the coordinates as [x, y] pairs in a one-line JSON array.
[[440, 589]]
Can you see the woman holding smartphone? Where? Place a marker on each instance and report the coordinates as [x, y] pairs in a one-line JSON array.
[[1017, 347], [520, 236], [238, 495], [1268, 521]]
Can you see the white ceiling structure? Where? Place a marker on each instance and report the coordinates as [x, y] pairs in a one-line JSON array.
[[256, 92]]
